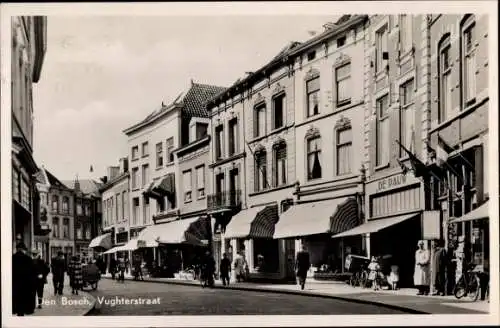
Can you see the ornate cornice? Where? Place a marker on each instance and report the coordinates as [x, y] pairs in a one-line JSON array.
[[312, 132]]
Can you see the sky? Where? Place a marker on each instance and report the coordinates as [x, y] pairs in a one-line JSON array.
[[103, 74]]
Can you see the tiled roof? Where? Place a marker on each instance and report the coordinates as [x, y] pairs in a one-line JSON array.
[[196, 98], [87, 186], [54, 181]]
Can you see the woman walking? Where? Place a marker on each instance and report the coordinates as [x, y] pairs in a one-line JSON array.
[[75, 274]]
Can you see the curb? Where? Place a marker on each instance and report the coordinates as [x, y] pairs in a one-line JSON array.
[[294, 292], [90, 309]]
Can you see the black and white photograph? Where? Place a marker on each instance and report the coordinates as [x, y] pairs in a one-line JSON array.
[[249, 163]]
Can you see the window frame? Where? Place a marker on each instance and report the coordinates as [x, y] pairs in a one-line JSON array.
[[381, 34], [135, 152], [145, 175], [200, 190], [280, 179], [219, 142], [66, 233], [145, 149], [159, 155], [346, 101], [444, 47], [380, 119], [135, 177], [340, 145], [309, 152], [261, 171], [233, 136], [56, 229], [314, 92], [259, 109], [282, 96], [468, 24], [188, 192], [406, 106], [169, 148], [405, 33]]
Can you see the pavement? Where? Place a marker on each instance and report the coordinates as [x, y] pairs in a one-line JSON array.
[[403, 299], [66, 304]]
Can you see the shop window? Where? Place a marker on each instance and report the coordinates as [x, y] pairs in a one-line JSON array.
[[266, 255]]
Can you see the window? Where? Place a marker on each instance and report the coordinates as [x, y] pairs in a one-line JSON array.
[[145, 208], [123, 216], [112, 209], [136, 210], [313, 99], [16, 194], [65, 205], [219, 137], [279, 111], [145, 174], [469, 61], [25, 194], [405, 33], [200, 181], [55, 227], [219, 183], [88, 232], [159, 154], [382, 48], [343, 77], [145, 149], [79, 210], [259, 127], [407, 116], [233, 136], [341, 41], [187, 182], [382, 131], [201, 130], [170, 150], [311, 55], [279, 168], [135, 152], [344, 151], [314, 158], [79, 232], [261, 170], [55, 203], [65, 228], [86, 209], [135, 173], [118, 208], [445, 84]]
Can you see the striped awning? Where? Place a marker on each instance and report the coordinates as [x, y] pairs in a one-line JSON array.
[[328, 216], [161, 187], [375, 225], [482, 212], [103, 241], [255, 222], [190, 231]]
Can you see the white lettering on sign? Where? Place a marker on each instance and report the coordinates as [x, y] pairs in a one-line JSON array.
[[391, 182]]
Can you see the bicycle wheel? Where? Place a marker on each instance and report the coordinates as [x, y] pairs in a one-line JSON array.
[[460, 289], [363, 280], [473, 288]]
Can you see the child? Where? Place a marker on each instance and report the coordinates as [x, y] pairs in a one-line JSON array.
[[374, 268], [394, 277]]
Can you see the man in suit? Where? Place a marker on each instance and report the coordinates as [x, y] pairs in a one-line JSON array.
[[302, 264], [58, 265], [23, 282], [41, 271]]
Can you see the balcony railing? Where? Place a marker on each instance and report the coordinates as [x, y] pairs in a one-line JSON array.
[[225, 199]]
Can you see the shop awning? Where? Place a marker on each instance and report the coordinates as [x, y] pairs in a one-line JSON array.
[[375, 225], [115, 249], [328, 216], [138, 242], [482, 212], [103, 241], [193, 231], [255, 222], [161, 187]]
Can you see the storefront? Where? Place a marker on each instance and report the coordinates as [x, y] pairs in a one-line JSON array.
[[312, 224], [393, 227], [250, 232]]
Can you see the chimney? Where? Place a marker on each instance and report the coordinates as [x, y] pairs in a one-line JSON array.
[[113, 171], [123, 165]]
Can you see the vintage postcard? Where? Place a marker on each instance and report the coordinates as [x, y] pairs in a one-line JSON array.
[[242, 164]]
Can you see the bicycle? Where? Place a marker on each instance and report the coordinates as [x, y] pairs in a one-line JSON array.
[[359, 278], [468, 285]]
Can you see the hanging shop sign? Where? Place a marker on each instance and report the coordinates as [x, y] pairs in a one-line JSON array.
[[431, 225]]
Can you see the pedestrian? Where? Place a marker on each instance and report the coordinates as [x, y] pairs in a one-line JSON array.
[[225, 269], [302, 264], [112, 267], [41, 270], [138, 268], [58, 267], [439, 263], [121, 269], [240, 266], [208, 269], [421, 277], [75, 274], [373, 276], [23, 282]]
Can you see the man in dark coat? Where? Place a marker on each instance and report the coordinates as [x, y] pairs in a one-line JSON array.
[[23, 282], [303, 264], [439, 263], [41, 270], [58, 266], [112, 267], [208, 268], [225, 269]]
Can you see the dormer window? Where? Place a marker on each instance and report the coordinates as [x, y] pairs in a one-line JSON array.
[[311, 55], [341, 41]]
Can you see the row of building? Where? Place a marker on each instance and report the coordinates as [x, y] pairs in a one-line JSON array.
[[366, 138]]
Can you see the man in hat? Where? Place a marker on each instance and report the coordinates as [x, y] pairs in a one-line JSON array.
[[41, 271], [23, 282], [58, 265], [302, 264]]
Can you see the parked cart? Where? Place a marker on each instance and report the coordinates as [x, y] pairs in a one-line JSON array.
[[91, 276]]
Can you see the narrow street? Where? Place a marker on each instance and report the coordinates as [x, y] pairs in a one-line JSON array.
[[194, 300]]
